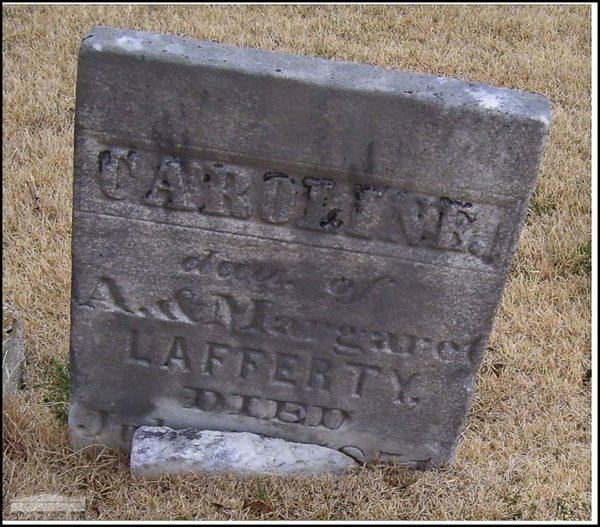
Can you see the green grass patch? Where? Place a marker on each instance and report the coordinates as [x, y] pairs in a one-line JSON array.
[[582, 259], [10, 11], [566, 509], [540, 207], [261, 493], [56, 389]]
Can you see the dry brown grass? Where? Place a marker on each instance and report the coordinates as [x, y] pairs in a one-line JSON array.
[[525, 453]]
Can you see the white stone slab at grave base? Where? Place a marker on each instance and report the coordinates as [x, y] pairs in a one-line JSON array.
[[157, 450]]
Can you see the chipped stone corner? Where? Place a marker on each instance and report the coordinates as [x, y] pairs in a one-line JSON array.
[[13, 351]]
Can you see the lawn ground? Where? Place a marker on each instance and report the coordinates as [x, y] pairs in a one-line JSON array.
[[525, 451]]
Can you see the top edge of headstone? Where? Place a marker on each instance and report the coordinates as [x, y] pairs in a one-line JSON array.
[[329, 73]]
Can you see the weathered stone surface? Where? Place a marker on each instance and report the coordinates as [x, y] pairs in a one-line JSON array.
[[13, 351], [290, 246], [161, 450]]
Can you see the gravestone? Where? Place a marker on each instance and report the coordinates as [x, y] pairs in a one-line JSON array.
[[289, 246]]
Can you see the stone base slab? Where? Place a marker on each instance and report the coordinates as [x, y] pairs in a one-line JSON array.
[[162, 450]]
